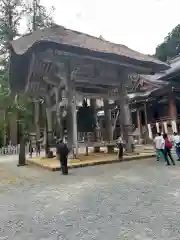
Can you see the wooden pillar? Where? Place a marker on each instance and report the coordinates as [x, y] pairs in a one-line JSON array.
[[94, 107], [173, 110], [157, 127], [139, 124], [49, 125], [146, 123], [59, 129], [108, 123], [72, 114], [165, 127], [125, 117], [146, 114], [162, 127]]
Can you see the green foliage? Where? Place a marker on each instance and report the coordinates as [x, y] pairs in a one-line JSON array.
[[11, 12], [171, 45], [11, 15]]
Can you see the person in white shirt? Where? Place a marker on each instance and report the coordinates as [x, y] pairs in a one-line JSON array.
[[176, 141], [159, 145]]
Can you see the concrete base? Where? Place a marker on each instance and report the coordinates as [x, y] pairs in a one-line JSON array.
[[110, 148], [54, 165]]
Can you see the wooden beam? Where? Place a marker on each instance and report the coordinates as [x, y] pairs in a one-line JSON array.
[[98, 80], [55, 79], [98, 88], [30, 70], [121, 77], [98, 96], [53, 55]]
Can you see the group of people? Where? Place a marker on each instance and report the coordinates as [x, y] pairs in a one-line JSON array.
[[164, 143]]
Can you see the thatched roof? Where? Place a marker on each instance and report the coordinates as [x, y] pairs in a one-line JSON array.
[[73, 42], [61, 35]]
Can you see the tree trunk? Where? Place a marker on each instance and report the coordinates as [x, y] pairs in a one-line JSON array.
[[115, 123], [5, 128], [22, 151], [49, 127], [13, 128]]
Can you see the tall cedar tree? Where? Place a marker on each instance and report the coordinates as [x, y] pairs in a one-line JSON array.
[[171, 45], [12, 12]]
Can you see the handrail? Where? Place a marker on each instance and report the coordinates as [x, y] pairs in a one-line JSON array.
[[160, 120]]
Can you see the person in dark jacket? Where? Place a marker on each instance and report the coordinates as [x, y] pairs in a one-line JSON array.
[[38, 148], [30, 148], [63, 151]]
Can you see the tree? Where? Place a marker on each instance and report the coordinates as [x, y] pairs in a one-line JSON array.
[[39, 16], [171, 45], [11, 12]]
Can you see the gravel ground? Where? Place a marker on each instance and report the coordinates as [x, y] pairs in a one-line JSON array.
[[138, 200]]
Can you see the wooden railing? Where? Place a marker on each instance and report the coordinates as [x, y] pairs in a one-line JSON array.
[[161, 119]]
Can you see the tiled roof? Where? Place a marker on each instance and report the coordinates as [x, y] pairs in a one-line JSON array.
[[135, 95], [154, 79], [160, 77], [175, 67]]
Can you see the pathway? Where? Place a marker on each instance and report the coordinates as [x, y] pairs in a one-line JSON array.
[[138, 200]]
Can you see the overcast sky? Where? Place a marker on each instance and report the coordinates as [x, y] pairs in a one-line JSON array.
[[139, 24]]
